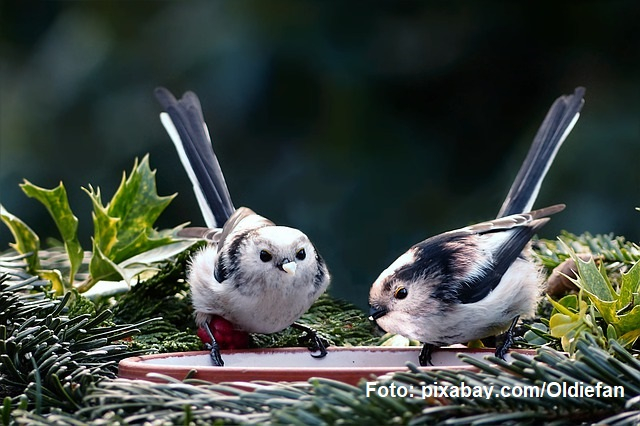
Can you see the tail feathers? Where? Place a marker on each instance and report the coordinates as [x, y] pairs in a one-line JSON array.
[[555, 128], [185, 124]]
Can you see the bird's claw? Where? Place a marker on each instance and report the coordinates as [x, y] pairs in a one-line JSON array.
[[214, 348], [316, 343], [216, 358], [501, 350], [425, 355]]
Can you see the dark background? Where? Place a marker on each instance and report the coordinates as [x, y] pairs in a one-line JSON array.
[[368, 125]]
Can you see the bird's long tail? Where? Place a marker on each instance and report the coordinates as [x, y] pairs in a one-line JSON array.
[[185, 124], [557, 125]]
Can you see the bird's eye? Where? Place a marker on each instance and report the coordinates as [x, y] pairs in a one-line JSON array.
[[265, 256], [400, 293], [301, 254]]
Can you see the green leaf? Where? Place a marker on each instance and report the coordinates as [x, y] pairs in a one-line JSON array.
[[567, 324], [123, 228], [57, 203], [136, 200], [561, 324], [568, 305], [536, 334], [100, 268], [594, 281], [569, 301], [26, 241], [628, 339], [53, 275], [611, 332], [141, 242], [630, 285], [606, 309], [629, 321], [105, 227]]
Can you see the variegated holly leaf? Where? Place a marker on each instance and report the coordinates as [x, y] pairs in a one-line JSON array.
[[26, 241], [630, 287], [569, 320], [123, 228], [629, 313], [619, 309], [57, 203]]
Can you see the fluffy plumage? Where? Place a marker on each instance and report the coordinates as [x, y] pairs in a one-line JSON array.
[[257, 296], [474, 282], [462, 285], [256, 275]]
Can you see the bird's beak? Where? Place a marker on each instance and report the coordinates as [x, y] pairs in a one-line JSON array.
[[376, 312], [289, 267]]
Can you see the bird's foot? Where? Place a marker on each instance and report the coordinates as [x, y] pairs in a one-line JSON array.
[[425, 355], [216, 358], [316, 343], [508, 339]]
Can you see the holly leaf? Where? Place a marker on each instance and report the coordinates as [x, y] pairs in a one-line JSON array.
[[136, 201], [566, 323], [620, 310], [55, 277], [26, 241], [57, 203], [629, 322], [628, 339], [101, 268], [594, 280], [629, 314], [595, 284], [630, 287], [106, 227], [123, 228]]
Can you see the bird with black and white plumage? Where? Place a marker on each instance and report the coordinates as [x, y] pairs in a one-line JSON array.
[[477, 281], [253, 276]]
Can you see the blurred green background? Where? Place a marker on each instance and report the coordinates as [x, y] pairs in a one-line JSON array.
[[368, 125]]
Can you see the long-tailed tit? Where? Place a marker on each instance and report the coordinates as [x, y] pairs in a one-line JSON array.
[[476, 281], [258, 276]]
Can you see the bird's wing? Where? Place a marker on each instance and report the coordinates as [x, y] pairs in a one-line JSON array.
[[481, 254]]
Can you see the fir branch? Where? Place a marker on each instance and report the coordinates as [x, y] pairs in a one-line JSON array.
[[164, 295], [49, 358], [616, 251], [324, 401]]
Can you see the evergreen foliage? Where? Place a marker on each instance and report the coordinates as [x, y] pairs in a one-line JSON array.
[[59, 356], [325, 402], [47, 357]]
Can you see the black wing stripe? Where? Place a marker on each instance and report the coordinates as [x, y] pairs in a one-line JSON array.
[[475, 289]]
